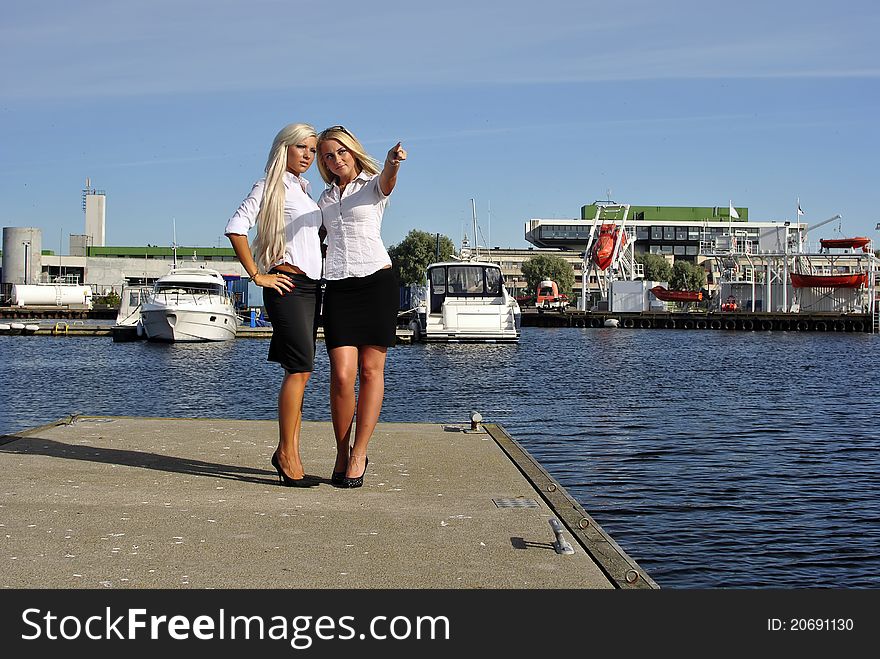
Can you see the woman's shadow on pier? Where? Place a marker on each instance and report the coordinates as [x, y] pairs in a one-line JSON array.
[[30, 445]]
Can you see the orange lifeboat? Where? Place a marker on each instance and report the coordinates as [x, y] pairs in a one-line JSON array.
[[730, 304], [664, 294], [859, 241], [603, 250], [852, 280]]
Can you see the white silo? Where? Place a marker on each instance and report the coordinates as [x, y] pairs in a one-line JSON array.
[[95, 206], [22, 255]]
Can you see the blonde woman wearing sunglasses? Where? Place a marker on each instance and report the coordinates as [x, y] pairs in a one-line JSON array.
[[362, 293]]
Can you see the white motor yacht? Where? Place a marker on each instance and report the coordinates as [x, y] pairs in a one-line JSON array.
[[467, 301], [189, 304]]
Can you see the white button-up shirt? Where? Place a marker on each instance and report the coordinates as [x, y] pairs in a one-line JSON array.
[[353, 223], [302, 219]]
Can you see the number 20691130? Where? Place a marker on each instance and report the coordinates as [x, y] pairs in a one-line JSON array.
[[810, 625]]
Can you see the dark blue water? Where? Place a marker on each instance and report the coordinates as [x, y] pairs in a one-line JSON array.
[[715, 459]]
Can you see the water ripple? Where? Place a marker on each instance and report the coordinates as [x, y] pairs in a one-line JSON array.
[[716, 459]]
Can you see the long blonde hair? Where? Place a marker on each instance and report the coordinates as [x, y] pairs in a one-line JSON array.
[[268, 246], [364, 162]]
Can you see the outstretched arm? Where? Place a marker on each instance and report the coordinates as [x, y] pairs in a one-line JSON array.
[[388, 177]]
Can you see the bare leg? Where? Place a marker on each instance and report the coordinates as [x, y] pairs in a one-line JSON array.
[[343, 374], [290, 399], [371, 392]]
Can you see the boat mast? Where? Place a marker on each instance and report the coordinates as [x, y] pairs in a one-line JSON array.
[[476, 242], [173, 243]]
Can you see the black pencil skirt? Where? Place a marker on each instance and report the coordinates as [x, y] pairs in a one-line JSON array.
[[362, 311], [294, 318]]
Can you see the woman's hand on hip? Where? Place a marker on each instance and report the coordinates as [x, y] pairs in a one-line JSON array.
[[276, 280]]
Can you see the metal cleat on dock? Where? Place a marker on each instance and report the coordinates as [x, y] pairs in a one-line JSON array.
[[561, 545]]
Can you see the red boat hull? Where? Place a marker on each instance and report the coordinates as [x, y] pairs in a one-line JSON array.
[[855, 280], [603, 250], [666, 295]]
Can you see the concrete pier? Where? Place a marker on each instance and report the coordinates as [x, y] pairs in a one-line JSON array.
[[126, 502]]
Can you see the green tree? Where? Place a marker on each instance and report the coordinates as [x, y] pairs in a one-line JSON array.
[[657, 268], [687, 276], [547, 266], [111, 299], [412, 255]]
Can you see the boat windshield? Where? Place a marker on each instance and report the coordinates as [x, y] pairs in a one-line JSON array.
[[466, 280], [184, 288]]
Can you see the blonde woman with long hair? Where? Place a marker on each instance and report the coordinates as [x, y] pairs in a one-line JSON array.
[[286, 264], [362, 293]]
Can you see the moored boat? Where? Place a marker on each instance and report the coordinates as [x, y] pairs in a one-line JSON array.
[[189, 304], [467, 301], [19, 328]]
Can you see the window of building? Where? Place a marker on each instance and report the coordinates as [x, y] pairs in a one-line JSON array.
[[668, 233], [681, 233], [656, 233]]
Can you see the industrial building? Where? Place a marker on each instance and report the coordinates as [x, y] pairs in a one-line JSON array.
[[103, 269], [745, 259]]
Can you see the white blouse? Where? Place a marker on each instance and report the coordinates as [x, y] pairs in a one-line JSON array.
[[354, 223], [302, 219]]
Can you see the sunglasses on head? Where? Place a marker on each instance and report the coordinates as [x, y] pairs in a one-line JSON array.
[[339, 128]]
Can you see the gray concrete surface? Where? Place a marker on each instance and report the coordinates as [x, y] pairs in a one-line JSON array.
[[119, 502]]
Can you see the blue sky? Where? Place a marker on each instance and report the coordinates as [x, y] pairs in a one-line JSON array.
[[531, 108]]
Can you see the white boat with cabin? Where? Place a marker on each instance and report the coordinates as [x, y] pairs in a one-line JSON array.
[[467, 301], [189, 304], [130, 300]]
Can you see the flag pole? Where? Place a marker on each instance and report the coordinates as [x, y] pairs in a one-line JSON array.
[[797, 218]]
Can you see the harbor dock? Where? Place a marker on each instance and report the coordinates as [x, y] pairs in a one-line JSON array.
[[748, 322], [738, 320], [129, 332], [133, 502]]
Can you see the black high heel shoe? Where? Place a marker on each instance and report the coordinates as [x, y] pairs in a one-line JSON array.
[[359, 481], [283, 478], [337, 478]]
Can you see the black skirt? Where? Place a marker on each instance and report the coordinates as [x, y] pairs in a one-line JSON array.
[[294, 318], [362, 311]]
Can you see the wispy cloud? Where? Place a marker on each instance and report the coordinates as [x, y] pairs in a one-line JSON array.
[[156, 47], [166, 161]]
